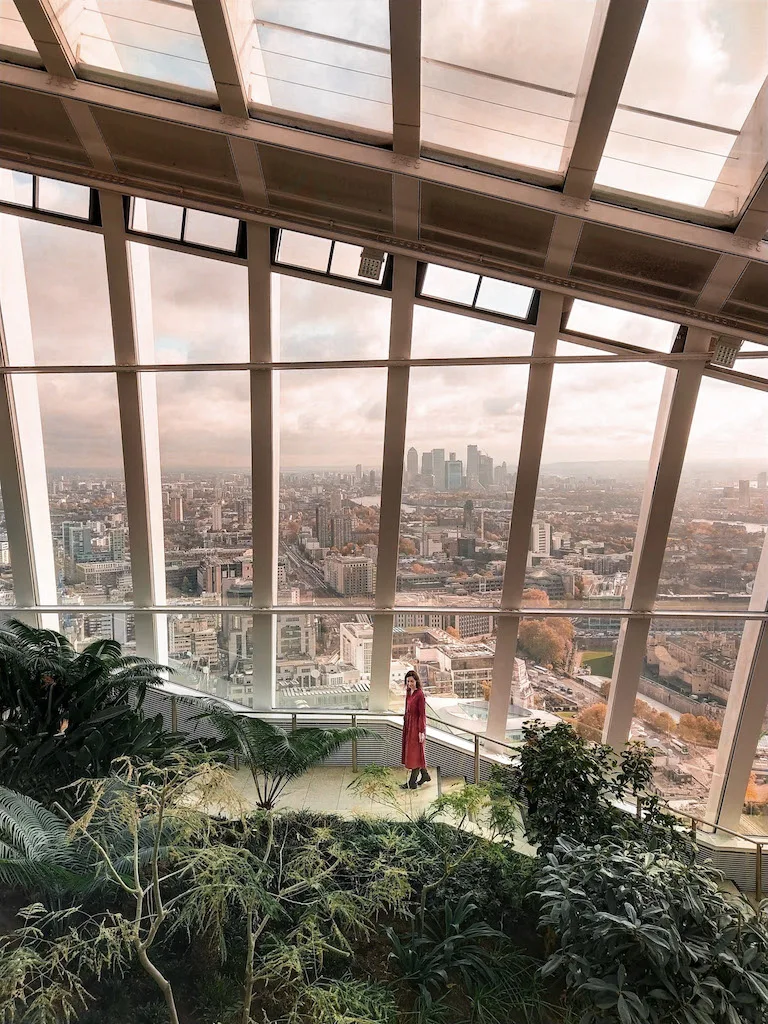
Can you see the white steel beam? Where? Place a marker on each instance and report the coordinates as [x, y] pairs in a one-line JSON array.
[[529, 463], [616, 26], [378, 158], [130, 296], [263, 313], [745, 713], [673, 425], [23, 478], [401, 327], [405, 53]]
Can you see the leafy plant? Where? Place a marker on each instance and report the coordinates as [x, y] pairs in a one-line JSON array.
[[273, 756], [571, 788], [645, 938], [65, 716], [453, 946]]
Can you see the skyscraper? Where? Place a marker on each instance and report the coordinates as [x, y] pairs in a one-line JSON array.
[[541, 537], [426, 469], [323, 526], [118, 543], [438, 468], [77, 541], [473, 465], [412, 464], [762, 481], [454, 473], [177, 508], [216, 516], [485, 471], [743, 492]]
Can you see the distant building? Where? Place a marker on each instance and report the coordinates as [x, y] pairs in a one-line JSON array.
[[541, 537], [350, 575], [454, 473], [177, 509], [412, 465], [356, 640], [216, 516], [296, 636], [438, 468]]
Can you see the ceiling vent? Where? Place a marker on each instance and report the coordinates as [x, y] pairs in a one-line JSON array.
[[725, 351], [371, 262]]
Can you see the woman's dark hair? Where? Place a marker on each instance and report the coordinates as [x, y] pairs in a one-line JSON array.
[[415, 674]]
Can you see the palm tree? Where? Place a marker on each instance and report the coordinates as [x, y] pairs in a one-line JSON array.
[[273, 756], [66, 715]]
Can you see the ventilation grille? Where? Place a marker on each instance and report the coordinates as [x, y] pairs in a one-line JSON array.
[[725, 352]]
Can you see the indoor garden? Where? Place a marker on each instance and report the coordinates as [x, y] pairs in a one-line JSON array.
[[138, 885]]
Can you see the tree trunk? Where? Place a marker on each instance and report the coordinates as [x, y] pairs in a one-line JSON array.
[[249, 950], [162, 983]]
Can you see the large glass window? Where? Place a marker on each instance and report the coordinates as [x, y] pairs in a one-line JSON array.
[[755, 817], [331, 445], [437, 334], [205, 461], [594, 464], [721, 512], [213, 654], [86, 487], [462, 446], [319, 321], [6, 571], [65, 276], [198, 311], [83, 628], [323, 660]]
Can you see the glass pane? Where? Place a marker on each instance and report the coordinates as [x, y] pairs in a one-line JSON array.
[[462, 441], [753, 367], [440, 334], [622, 325], [212, 230], [198, 311], [326, 59], [153, 218], [475, 101], [205, 461], [449, 284], [754, 820], [694, 76], [65, 274], [84, 460], [7, 599], [331, 445], [319, 321], [323, 661], [63, 197], [308, 251], [16, 187], [684, 689], [14, 36], [594, 466], [719, 522], [152, 40], [83, 628], [504, 297], [213, 653], [346, 262]]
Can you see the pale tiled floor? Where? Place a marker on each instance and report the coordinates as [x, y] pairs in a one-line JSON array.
[[328, 790]]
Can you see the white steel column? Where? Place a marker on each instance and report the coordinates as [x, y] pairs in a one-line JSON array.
[[744, 716], [23, 477], [401, 325], [673, 425], [531, 443], [130, 297], [263, 308]]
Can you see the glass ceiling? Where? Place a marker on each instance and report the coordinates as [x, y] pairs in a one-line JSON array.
[[326, 59], [15, 41], [696, 72], [156, 40], [499, 79]]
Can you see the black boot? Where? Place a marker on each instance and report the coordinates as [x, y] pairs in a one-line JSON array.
[[412, 780], [425, 777]]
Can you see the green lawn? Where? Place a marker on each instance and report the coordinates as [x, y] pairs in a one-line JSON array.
[[601, 662]]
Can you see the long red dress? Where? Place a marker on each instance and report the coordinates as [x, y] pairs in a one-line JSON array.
[[415, 722]]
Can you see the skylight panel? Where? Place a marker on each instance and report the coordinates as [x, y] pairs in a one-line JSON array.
[[307, 251], [325, 59], [211, 229], [688, 129], [504, 297], [449, 284], [500, 82], [63, 197], [16, 44], [154, 218], [154, 40], [16, 187]]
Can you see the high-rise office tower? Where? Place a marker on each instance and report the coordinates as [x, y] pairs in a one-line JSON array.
[[541, 537], [118, 543], [177, 508], [412, 465], [358, 472], [485, 471], [323, 526], [426, 469], [743, 492], [469, 516], [438, 468], [216, 517], [473, 465], [77, 541], [454, 473]]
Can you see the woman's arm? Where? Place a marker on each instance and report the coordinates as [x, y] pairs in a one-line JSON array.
[[421, 714]]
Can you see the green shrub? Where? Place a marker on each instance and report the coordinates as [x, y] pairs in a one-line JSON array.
[[647, 939], [66, 716]]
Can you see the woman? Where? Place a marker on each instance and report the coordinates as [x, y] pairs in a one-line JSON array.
[[414, 732]]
